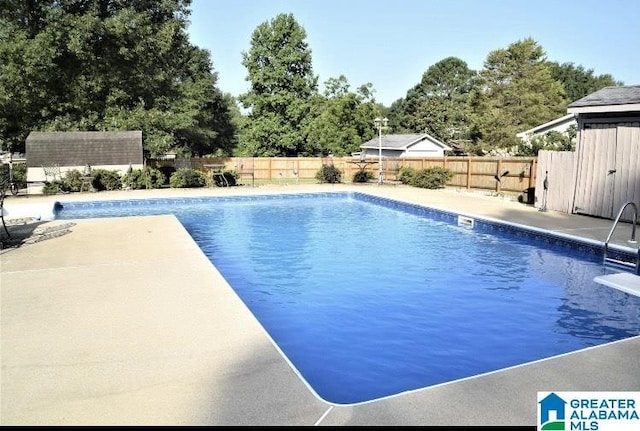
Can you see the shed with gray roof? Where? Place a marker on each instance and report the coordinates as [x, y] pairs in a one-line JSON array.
[[405, 145], [607, 162]]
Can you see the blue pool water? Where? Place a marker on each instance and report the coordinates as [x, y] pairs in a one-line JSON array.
[[369, 297]]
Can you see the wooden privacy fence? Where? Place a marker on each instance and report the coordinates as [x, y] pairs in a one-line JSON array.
[[514, 174]]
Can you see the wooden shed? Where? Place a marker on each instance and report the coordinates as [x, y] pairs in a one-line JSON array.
[[607, 168], [74, 150]]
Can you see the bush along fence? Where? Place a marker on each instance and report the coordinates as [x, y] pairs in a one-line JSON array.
[[510, 175]]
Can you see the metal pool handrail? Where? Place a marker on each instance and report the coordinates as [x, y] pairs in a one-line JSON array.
[[632, 240]]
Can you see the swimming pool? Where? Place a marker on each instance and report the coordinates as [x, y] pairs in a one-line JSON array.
[[369, 297]]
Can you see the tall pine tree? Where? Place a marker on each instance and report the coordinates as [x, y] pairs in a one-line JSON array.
[[518, 93]]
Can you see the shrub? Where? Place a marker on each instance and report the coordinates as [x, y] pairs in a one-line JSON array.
[[19, 173], [362, 176], [329, 174], [52, 188], [71, 181], [156, 177], [431, 178], [104, 179], [406, 174], [148, 178], [187, 178], [135, 179]]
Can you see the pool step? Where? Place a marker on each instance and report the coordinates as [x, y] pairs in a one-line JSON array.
[[624, 281], [620, 263]]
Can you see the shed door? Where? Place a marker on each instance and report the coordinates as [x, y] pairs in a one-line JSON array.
[[608, 169], [596, 170], [627, 176]]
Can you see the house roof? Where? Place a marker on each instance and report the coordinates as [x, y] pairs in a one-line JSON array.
[[569, 118], [608, 99], [402, 141], [80, 148]]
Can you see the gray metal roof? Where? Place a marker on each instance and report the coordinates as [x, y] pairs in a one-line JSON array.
[[610, 96], [80, 148], [401, 141]]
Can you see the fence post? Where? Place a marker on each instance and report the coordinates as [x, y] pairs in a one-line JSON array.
[[532, 172]]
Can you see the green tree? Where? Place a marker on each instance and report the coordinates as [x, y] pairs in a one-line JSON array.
[[107, 65], [396, 115], [579, 82], [438, 104], [518, 93], [281, 86], [341, 119]]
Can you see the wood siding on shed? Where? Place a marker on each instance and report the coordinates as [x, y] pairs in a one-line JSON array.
[[627, 177], [608, 165]]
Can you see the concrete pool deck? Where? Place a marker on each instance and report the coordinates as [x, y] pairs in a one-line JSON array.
[[124, 321]]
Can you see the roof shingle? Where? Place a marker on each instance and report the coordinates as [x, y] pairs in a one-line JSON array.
[[80, 148], [610, 96]]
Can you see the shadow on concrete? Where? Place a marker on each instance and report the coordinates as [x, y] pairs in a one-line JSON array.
[[26, 231]]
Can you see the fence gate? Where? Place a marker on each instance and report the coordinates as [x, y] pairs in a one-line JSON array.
[[558, 167]]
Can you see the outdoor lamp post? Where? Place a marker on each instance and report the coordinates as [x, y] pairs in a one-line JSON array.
[[380, 124]]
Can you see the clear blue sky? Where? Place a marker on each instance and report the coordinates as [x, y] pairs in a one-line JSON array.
[[392, 43]]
